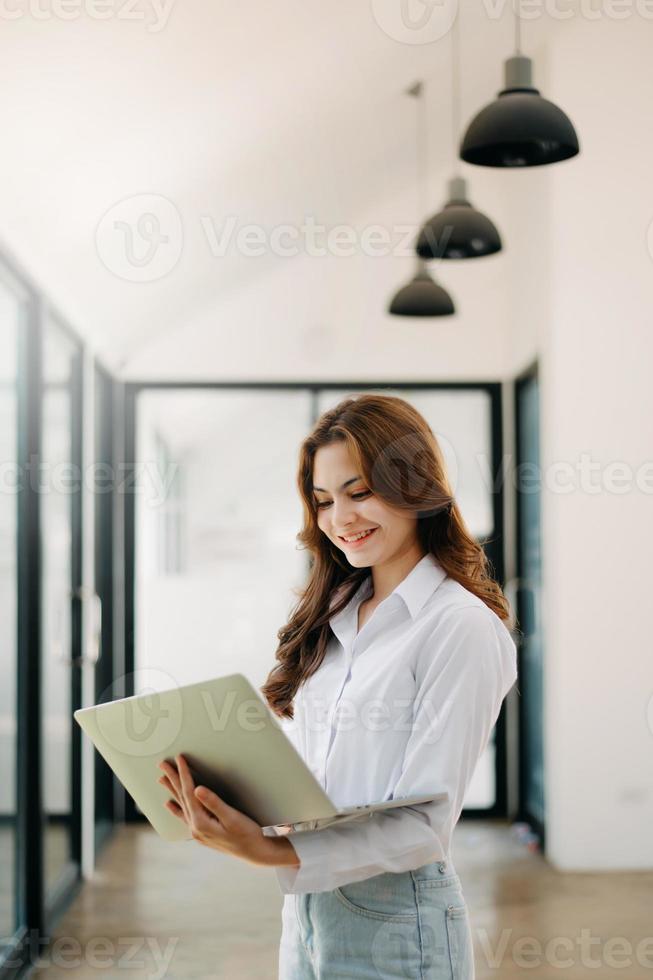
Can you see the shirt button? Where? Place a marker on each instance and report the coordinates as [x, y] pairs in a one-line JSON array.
[[442, 867]]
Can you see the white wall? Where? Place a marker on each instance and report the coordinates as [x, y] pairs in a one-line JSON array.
[[324, 317], [583, 295]]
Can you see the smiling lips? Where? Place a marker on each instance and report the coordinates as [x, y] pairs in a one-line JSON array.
[[359, 538]]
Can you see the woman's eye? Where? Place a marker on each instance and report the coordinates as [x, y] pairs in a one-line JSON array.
[[355, 496]]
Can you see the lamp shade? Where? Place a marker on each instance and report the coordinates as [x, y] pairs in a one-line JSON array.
[[458, 231], [520, 128], [421, 297]]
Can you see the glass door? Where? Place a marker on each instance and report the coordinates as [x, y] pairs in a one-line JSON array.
[[60, 491], [216, 514], [213, 521]]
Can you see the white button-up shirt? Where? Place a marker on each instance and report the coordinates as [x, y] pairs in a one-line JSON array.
[[404, 707]]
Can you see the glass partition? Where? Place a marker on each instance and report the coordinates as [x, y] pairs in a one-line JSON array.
[[11, 314], [217, 511]]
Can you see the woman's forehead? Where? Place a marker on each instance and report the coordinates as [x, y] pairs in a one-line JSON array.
[[333, 465]]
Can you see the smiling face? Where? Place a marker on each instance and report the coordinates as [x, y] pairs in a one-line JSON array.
[[346, 507]]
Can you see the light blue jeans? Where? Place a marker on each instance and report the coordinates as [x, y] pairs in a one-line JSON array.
[[405, 925]]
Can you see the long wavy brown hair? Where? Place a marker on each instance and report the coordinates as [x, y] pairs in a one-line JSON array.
[[401, 462]]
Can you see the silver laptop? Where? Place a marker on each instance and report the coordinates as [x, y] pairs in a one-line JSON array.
[[233, 744]]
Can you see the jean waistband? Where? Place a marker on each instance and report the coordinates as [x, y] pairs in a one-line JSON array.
[[435, 869]]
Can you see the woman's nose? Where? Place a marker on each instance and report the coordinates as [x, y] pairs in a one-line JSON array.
[[343, 514]]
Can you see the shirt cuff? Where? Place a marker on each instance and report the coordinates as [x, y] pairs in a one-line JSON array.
[[318, 872], [305, 878]]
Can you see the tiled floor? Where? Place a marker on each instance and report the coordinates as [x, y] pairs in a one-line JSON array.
[[55, 855], [7, 884], [188, 913]]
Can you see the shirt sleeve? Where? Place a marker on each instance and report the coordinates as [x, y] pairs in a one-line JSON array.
[[462, 678]]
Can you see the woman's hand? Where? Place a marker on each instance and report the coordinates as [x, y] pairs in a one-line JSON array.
[[219, 826]]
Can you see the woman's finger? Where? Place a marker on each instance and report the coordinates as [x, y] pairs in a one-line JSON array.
[[172, 776], [215, 805], [171, 772], [200, 818], [176, 809], [167, 785], [187, 787]]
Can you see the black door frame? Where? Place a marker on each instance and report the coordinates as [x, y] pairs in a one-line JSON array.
[[494, 546], [531, 373], [104, 573], [71, 877], [29, 817], [35, 918]]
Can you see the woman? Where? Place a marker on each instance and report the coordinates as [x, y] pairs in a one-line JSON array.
[[390, 677]]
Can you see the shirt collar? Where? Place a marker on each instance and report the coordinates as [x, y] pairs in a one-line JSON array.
[[420, 583]]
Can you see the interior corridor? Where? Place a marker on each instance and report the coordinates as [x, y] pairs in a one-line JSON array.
[[219, 222], [190, 914]]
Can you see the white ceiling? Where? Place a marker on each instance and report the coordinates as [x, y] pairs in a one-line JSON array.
[[266, 112]]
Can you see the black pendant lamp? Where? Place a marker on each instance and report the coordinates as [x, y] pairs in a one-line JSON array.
[[458, 231], [520, 128], [422, 296]]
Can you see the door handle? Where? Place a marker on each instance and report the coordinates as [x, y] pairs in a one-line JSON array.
[[93, 649]]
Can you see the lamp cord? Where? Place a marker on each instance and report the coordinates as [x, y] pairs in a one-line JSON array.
[[455, 89], [517, 13], [421, 158]]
